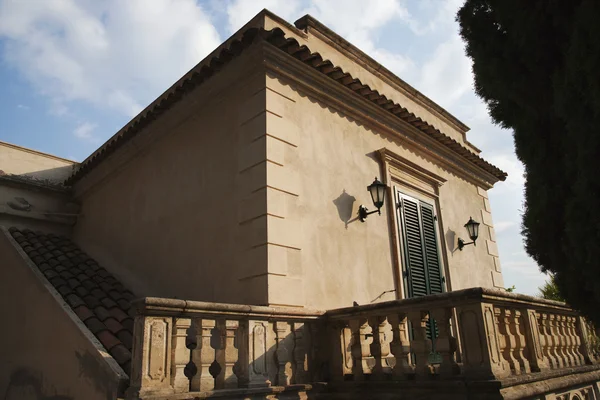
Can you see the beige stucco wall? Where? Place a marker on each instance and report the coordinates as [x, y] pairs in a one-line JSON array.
[[326, 257], [240, 193], [44, 353], [164, 213], [20, 161]]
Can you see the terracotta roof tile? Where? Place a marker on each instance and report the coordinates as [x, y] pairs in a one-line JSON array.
[[95, 325], [88, 289], [83, 313], [113, 325], [102, 313], [107, 339]]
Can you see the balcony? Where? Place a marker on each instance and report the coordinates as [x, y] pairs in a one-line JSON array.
[[487, 344]]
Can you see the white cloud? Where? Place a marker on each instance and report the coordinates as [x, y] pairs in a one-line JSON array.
[[446, 76], [84, 131], [240, 11], [22, 107], [502, 226], [112, 54]]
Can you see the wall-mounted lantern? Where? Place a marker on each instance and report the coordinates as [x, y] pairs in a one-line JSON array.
[[377, 190], [473, 230]]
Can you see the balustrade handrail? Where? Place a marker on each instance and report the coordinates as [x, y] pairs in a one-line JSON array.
[[451, 299], [158, 306]]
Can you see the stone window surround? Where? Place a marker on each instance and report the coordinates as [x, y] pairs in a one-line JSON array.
[[413, 180]]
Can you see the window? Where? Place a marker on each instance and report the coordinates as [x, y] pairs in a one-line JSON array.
[[421, 264]]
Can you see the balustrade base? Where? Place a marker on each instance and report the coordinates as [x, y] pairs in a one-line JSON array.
[[297, 392]]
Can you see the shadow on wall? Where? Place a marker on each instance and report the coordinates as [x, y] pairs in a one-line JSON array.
[[345, 204], [26, 384], [451, 240]]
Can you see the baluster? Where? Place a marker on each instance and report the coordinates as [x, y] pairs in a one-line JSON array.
[[507, 340], [400, 346], [317, 353], [203, 356], [520, 349], [356, 346], [227, 355], [336, 369], [566, 339], [548, 341], [556, 345], [420, 345], [282, 353], [445, 344], [576, 341], [300, 364], [377, 324], [572, 335], [562, 342], [180, 354], [385, 332]]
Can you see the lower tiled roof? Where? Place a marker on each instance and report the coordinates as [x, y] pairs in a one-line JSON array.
[[96, 296]]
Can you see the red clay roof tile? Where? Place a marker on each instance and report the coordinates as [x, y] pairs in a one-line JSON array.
[[81, 283]]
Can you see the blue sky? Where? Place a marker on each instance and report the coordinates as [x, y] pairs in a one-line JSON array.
[[73, 72]]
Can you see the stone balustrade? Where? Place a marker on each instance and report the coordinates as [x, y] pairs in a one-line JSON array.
[[474, 334], [186, 346]]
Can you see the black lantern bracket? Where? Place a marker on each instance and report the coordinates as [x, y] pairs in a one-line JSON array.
[[363, 212], [473, 230], [462, 243], [377, 190]]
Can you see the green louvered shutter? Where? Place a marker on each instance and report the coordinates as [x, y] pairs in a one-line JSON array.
[[421, 255], [413, 248], [434, 271]]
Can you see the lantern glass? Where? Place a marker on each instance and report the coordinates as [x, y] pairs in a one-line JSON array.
[[473, 228], [377, 191]]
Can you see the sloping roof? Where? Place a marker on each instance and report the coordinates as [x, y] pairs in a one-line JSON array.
[[98, 299], [276, 37]]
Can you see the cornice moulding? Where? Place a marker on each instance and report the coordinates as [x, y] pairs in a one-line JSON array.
[[346, 101]]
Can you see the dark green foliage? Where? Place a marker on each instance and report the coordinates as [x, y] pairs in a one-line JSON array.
[[537, 66], [550, 291]]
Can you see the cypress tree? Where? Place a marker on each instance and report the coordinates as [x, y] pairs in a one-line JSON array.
[[536, 64]]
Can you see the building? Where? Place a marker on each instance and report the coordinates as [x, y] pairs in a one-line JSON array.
[[230, 208]]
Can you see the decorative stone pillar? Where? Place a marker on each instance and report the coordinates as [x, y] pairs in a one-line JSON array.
[[534, 342], [258, 372], [151, 358], [585, 347], [479, 339]]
